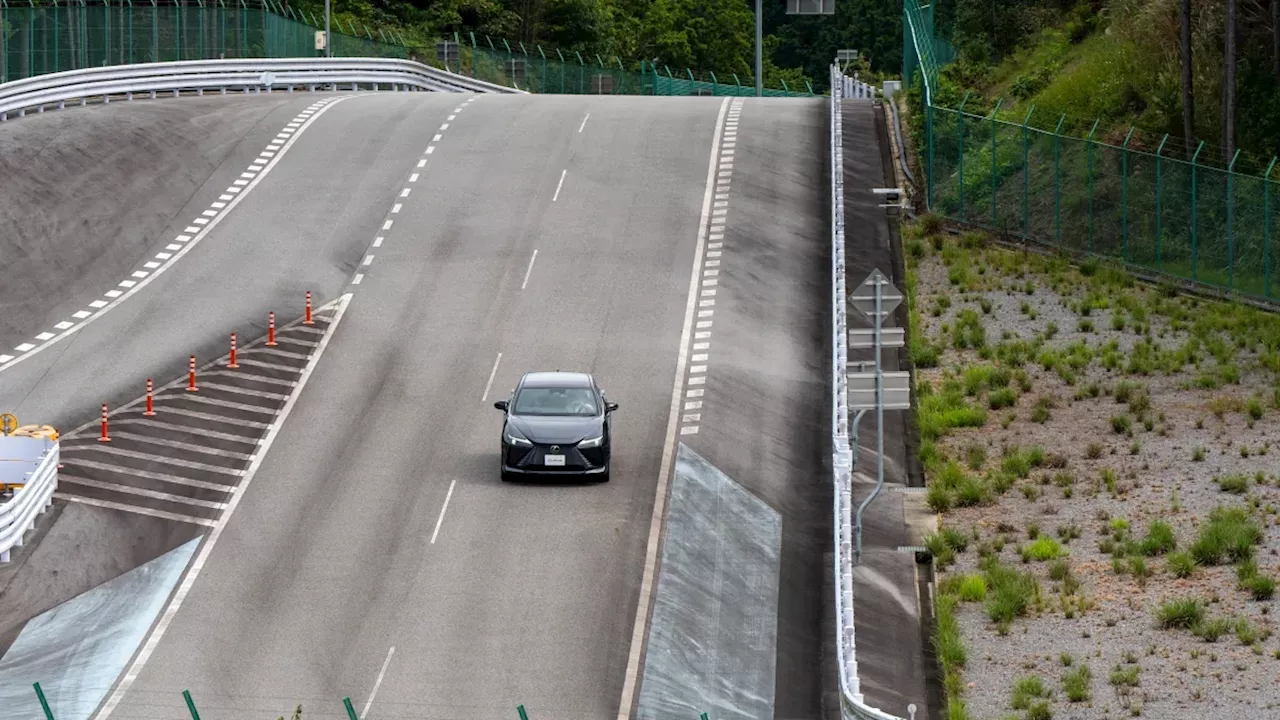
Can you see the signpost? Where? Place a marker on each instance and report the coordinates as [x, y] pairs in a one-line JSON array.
[[876, 298]]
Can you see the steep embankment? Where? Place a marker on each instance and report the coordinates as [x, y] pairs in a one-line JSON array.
[[86, 192]]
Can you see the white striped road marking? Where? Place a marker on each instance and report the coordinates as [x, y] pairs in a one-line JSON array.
[[431, 149], [404, 193], [141, 492], [202, 556], [110, 505], [444, 507], [529, 271], [193, 233], [647, 582], [559, 185], [584, 122], [488, 385], [378, 683]]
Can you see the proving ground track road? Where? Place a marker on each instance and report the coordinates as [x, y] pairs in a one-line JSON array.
[[377, 554]]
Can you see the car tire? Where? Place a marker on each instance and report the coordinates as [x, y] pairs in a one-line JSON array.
[[506, 477], [603, 477]]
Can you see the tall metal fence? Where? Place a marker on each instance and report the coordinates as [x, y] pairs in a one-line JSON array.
[[46, 36], [1140, 202]]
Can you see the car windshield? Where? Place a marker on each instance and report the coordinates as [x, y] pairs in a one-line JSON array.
[[555, 401]]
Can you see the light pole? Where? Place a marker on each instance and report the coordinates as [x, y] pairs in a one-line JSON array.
[[328, 40], [759, 48]]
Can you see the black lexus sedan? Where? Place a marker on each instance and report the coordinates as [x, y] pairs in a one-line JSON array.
[[557, 425]]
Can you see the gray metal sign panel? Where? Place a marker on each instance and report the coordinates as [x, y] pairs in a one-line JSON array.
[[865, 338], [811, 7], [863, 298], [896, 389]]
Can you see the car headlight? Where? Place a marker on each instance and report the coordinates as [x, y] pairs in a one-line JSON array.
[[514, 439], [592, 442]]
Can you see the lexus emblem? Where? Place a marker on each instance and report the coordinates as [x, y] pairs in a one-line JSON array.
[[555, 448]]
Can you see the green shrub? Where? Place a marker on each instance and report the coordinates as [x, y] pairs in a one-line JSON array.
[[1010, 593], [1075, 683], [1043, 548], [1232, 483], [1211, 630], [1159, 540], [1181, 564], [1229, 536], [1185, 613], [1002, 398], [972, 588], [1025, 690]]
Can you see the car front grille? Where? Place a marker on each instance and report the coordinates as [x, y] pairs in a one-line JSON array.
[[574, 459]]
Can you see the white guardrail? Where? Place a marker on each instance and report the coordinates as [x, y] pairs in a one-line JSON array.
[[31, 462], [852, 706], [248, 76]]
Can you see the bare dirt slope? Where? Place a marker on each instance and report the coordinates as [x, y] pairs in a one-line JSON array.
[[1103, 456]]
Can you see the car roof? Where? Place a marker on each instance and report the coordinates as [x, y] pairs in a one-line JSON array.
[[556, 379]]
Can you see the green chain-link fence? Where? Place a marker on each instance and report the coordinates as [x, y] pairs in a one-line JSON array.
[[540, 70], [1140, 201], [45, 36]]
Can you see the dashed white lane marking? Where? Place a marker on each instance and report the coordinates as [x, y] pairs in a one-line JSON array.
[[492, 373], [706, 296], [584, 122], [529, 270], [444, 507], [188, 580], [559, 185], [647, 581], [377, 683], [181, 244]]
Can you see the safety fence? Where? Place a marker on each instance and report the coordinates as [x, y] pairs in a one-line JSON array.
[[45, 36], [297, 714], [1137, 201]]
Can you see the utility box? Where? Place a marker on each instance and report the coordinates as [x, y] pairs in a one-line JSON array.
[[321, 43]]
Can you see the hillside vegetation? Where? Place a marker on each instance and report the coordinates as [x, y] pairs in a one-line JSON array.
[[704, 35], [1120, 62]]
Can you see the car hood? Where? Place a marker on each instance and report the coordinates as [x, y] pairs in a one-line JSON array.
[[564, 430]]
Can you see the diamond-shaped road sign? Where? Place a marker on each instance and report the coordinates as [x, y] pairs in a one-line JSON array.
[[863, 298]]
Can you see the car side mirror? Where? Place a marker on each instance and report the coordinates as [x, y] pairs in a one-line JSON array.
[[501, 405], [610, 407]]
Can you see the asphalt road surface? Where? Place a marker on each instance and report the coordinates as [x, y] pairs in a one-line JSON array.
[[375, 553], [526, 593]]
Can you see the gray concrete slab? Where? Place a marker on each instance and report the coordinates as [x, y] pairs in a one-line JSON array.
[[528, 591], [713, 637], [764, 421], [890, 628], [77, 649]]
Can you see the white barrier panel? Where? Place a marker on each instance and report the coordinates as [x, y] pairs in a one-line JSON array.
[[252, 75], [852, 706], [31, 462]]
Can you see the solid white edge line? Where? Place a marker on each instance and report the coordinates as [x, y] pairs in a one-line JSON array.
[[559, 184], [195, 240], [489, 385], [193, 571], [529, 271], [377, 683], [443, 507], [647, 582]]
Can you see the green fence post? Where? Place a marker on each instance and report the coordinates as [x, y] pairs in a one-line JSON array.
[[346, 701], [995, 223], [544, 68], [785, 88], [704, 716], [191, 705], [1195, 205], [1124, 196], [1160, 199], [1231, 221], [475, 57], [960, 150], [1089, 152], [737, 84], [809, 85], [582, 74], [1057, 181], [44, 704], [1026, 173], [715, 85], [622, 76], [928, 132], [523, 715], [1266, 227], [561, 70]]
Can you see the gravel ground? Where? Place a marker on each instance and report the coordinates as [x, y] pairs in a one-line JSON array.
[[1092, 477]]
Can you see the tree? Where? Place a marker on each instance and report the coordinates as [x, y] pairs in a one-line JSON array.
[[1188, 92], [1229, 84]]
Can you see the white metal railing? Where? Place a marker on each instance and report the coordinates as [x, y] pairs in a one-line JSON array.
[[18, 514], [251, 75], [852, 87], [852, 706]]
